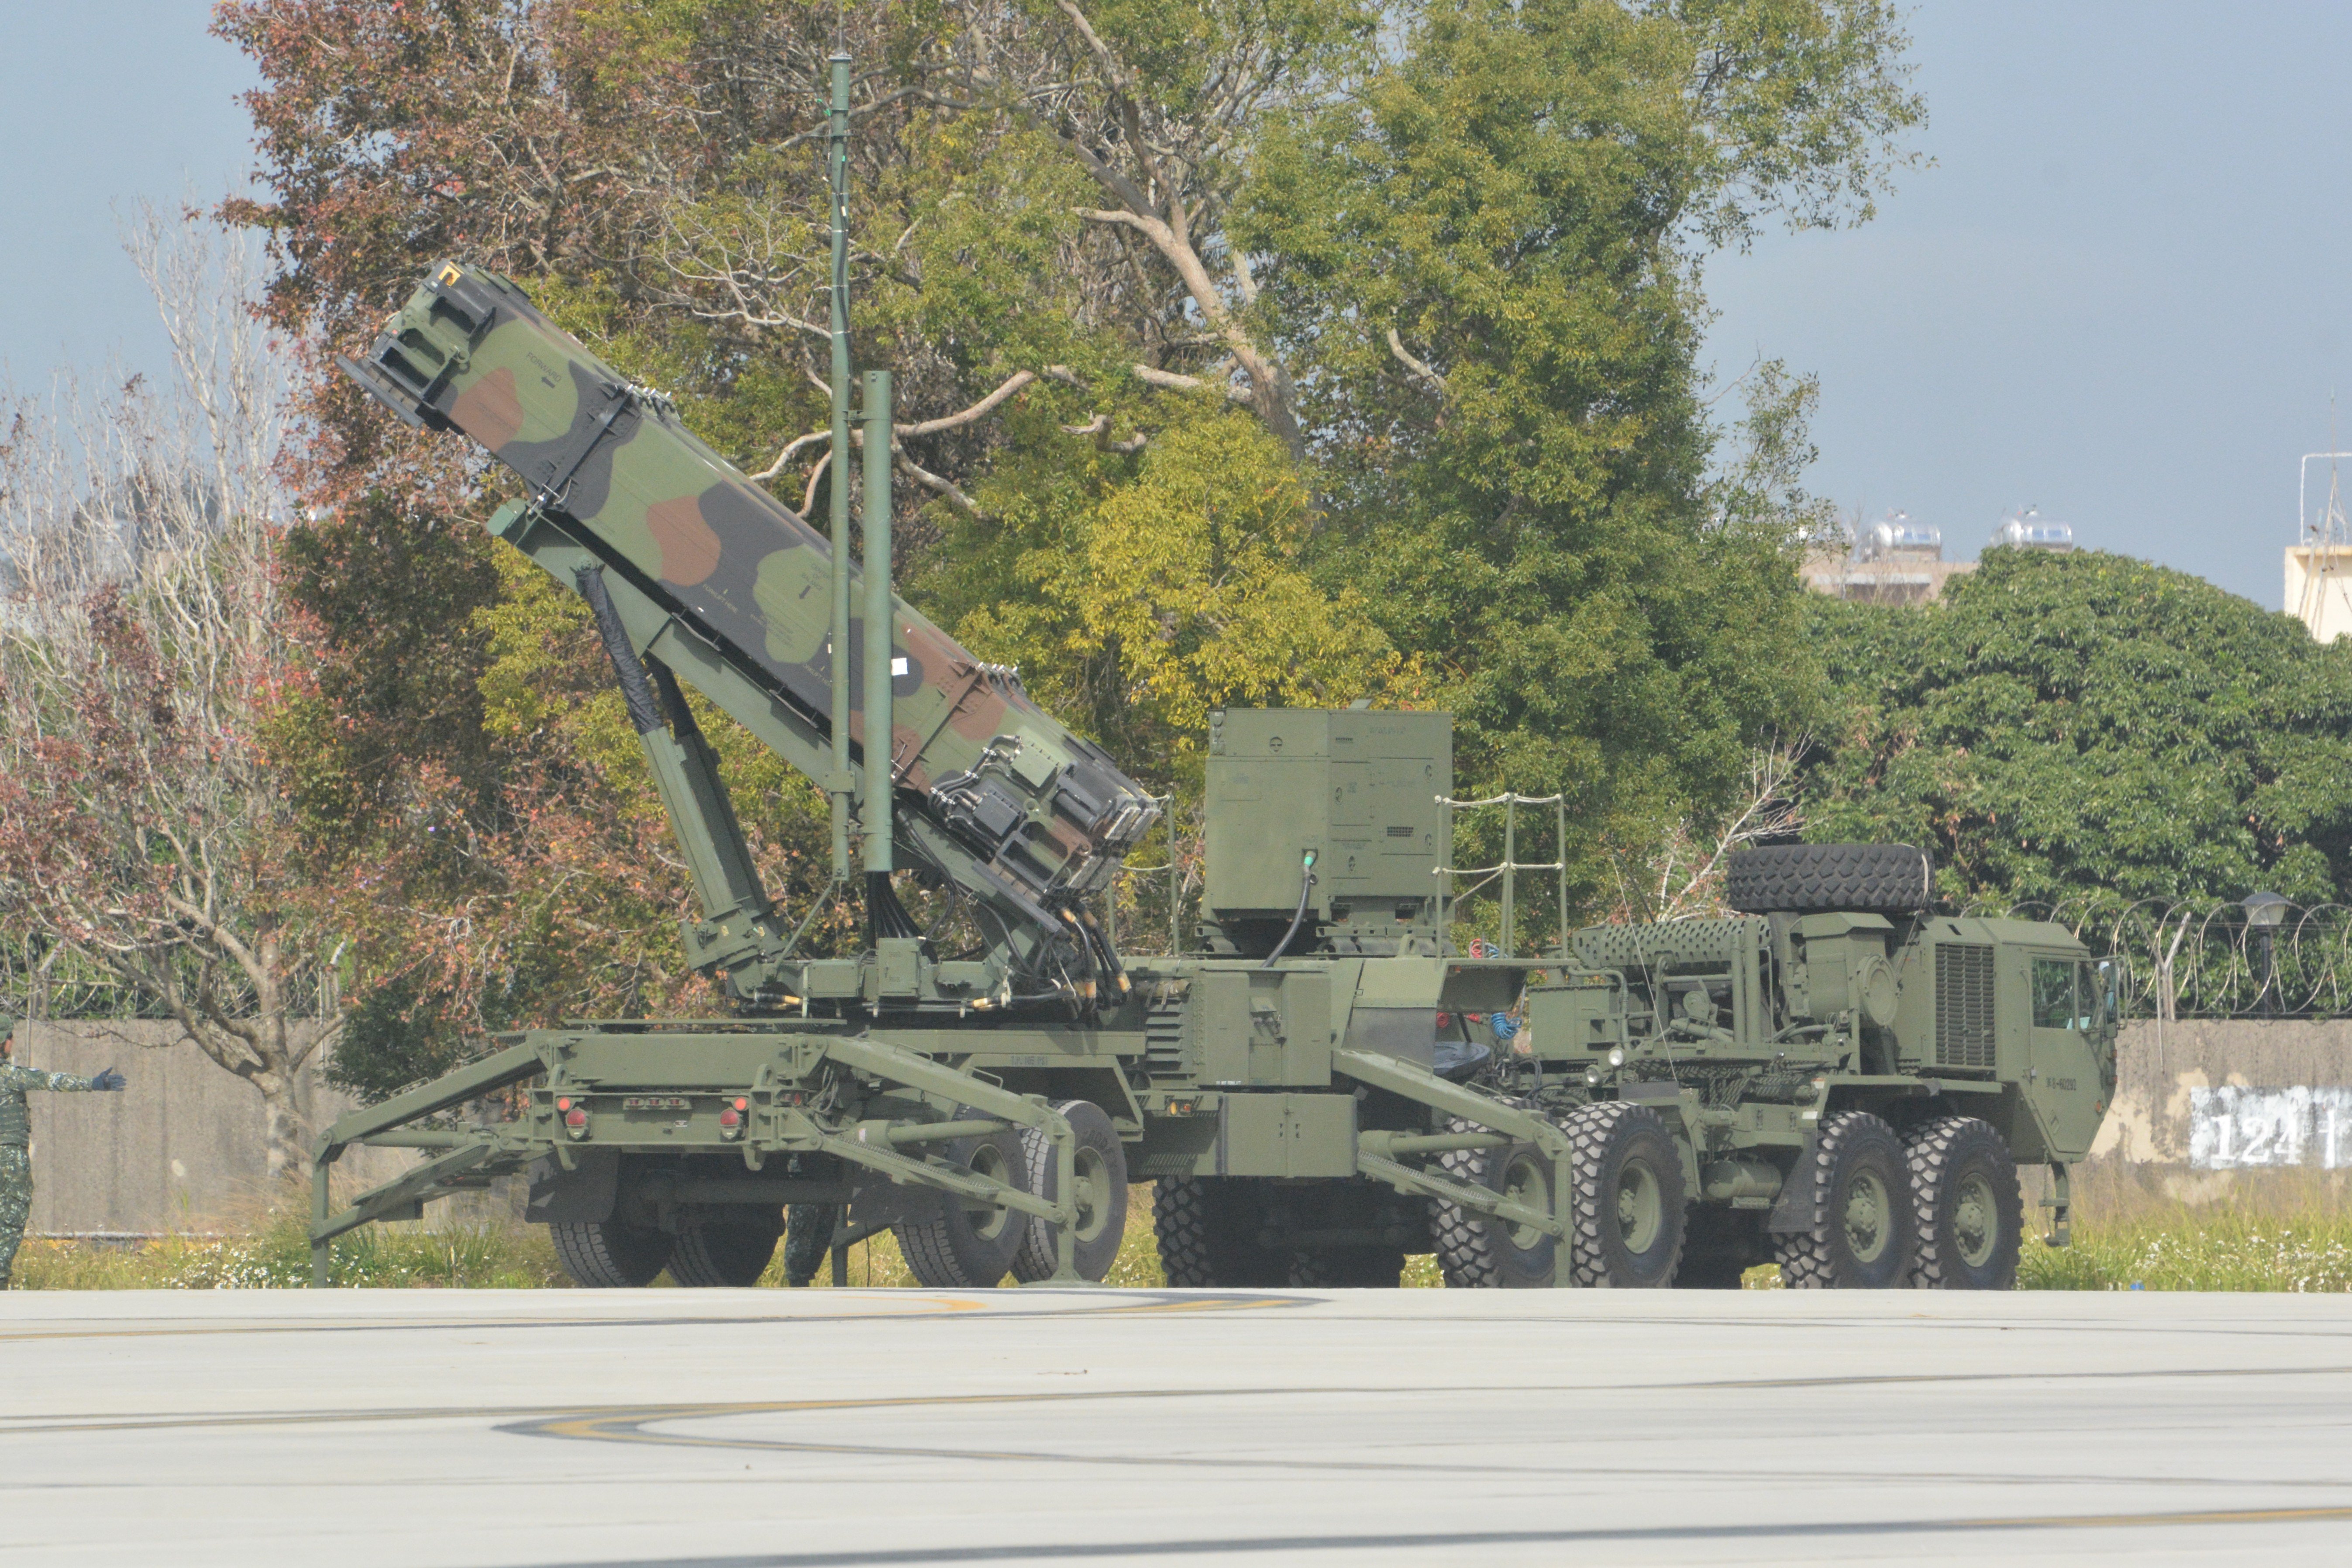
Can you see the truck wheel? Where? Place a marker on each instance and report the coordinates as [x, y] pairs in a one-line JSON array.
[[1970, 1214], [1102, 1196], [1207, 1228], [1884, 878], [731, 1252], [605, 1255], [1626, 1222], [808, 1241], [1346, 1268], [955, 1243], [1478, 1252], [1862, 1233]]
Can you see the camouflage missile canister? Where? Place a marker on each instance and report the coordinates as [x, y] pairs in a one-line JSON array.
[[607, 461]]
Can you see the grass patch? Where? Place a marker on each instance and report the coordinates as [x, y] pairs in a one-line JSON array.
[[2149, 1229], [271, 1251], [2210, 1249]]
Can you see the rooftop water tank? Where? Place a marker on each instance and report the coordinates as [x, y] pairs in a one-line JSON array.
[[1896, 537], [2026, 529]]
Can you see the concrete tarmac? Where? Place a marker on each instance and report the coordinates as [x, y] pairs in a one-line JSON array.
[[723, 1429]]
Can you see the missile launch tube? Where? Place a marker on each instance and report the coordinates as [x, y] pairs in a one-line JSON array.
[[1008, 802]]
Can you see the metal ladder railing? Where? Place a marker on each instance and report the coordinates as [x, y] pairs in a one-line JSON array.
[[1507, 868]]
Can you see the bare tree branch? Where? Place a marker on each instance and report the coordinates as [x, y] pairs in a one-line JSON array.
[[1421, 372]]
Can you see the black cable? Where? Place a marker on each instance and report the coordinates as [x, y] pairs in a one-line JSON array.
[[1305, 892], [636, 691]]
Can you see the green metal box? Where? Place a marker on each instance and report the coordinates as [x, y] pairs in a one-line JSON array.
[[1361, 788], [1284, 1135], [1252, 1025]]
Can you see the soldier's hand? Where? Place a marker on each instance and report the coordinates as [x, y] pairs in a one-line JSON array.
[[110, 1079]]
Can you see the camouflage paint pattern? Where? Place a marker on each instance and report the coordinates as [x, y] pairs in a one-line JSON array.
[[611, 463], [15, 1123], [15, 1205], [16, 1158]]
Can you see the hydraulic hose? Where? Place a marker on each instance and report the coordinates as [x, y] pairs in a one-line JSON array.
[[1298, 917]]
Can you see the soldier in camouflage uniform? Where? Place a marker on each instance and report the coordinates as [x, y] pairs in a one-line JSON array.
[[16, 1136]]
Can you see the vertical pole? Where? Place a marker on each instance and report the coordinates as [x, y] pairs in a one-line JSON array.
[[1563, 1203], [1443, 916], [836, 483], [1175, 878], [322, 1253], [1561, 843], [878, 623], [1510, 872]]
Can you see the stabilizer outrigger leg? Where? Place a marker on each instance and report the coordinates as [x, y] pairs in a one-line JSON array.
[[1378, 1154], [462, 1153], [874, 1144]]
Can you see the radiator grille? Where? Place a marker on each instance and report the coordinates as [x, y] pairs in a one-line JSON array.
[[1964, 1023]]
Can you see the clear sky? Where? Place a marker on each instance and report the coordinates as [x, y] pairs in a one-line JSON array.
[[2116, 295], [103, 103], [2119, 294]]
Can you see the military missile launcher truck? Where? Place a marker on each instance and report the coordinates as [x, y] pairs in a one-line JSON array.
[[1837, 1078]]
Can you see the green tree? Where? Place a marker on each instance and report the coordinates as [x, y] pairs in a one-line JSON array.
[[1483, 259], [2087, 725]]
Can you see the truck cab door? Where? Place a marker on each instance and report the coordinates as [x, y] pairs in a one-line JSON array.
[[2069, 1028]]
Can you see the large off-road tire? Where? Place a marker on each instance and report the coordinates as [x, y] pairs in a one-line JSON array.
[[1476, 1251], [732, 1251], [1970, 1214], [1884, 878], [808, 1240], [1719, 1246], [1207, 1228], [1102, 1196], [956, 1242], [1625, 1217], [1347, 1268], [605, 1255], [1858, 1189]]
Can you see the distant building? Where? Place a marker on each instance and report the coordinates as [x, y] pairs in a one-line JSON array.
[[2319, 588], [1895, 561], [2319, 570]]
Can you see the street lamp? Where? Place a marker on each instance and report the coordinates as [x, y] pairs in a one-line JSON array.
[[2266, 912]]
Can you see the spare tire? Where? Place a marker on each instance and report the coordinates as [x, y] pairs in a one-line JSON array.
[[1876, 878]]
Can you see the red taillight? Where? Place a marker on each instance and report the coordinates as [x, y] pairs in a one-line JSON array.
[[741, 1104], [575, 1119], [731, 1117]]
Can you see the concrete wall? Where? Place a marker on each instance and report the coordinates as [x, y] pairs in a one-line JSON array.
[[181, 1149], [2160, 1066]]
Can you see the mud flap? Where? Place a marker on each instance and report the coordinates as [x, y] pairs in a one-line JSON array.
[[877, 1203], [1793, 1210], [584, 1196]]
